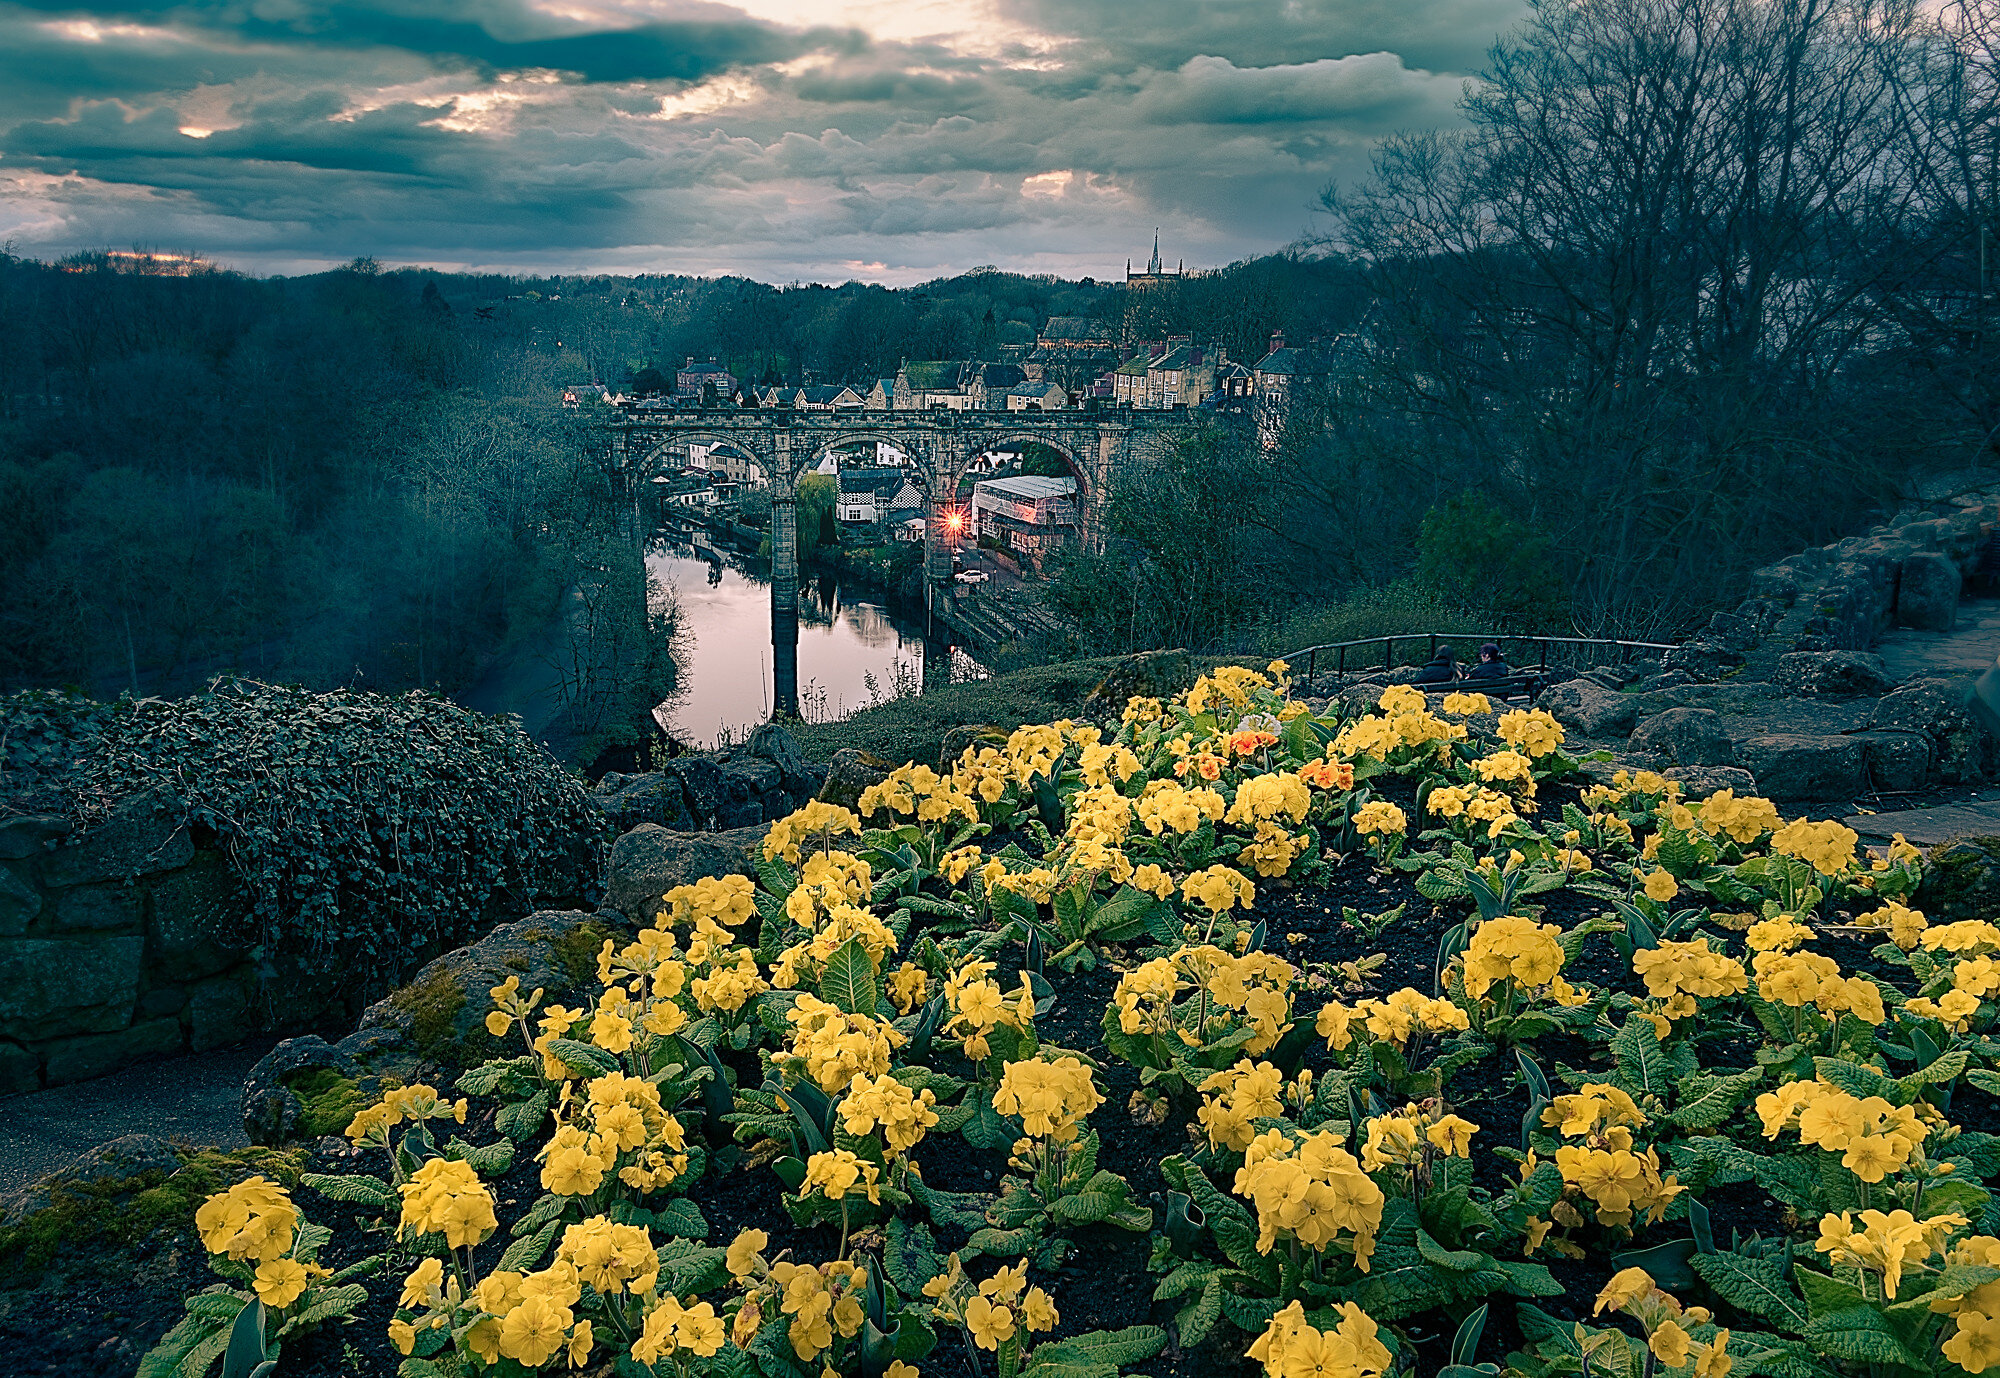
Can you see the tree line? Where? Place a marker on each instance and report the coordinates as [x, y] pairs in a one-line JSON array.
[[331, 480]]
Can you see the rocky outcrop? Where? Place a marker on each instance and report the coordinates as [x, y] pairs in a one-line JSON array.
[[1588, 707], [1841, 597], [442, 1013], [1960, 751], [1792, 767], [1833, 674], [1687, 737], [648, 861], [762, 780]]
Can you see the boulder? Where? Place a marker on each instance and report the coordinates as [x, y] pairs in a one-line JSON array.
[[1834, 674], [1927, 597], [1961, 750], [851, 771], [1698, 782], [222, 1010], [120, 1160], [750, 777], [1150, 674], [702, 784], [1703, 658], [1897, 762], [271, 1110], [20, 1070], [1687, 737], [658, 798], [1961, 880], [648, 861], [443, 1011], [1791, 766], [1591, 709], [771, 742], [105, 906], [197, 924]]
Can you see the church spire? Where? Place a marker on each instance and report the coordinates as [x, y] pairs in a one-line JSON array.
[[1153, 265]]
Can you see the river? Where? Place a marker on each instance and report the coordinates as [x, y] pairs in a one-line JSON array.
[[723, 651]]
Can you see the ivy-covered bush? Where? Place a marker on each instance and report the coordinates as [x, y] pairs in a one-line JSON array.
[[371, 826]]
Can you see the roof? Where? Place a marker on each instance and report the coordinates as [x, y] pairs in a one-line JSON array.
[[1135, 367], [1030, 486], [1179, 357], [1001, 375], [820, 396], [1072, 328], [870, 480], [1291, 361], [710, 367], [935, 375]]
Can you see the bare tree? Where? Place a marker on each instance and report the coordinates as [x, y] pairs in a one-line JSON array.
[[1623, 296]]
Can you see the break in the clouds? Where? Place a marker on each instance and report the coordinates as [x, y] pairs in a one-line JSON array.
[[784, 139]]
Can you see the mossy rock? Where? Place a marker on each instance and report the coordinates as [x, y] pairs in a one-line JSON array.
[[1961, 880], [329, 1101], [127, 1207], [443, 1011]]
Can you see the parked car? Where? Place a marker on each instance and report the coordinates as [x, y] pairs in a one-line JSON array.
[[972, 576]]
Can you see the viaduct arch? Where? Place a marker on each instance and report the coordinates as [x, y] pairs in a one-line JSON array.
[[939, 446]]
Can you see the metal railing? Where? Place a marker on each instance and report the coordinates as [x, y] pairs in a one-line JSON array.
[[1340, 649]]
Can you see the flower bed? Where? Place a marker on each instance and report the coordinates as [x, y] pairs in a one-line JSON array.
[[1223, 1038]]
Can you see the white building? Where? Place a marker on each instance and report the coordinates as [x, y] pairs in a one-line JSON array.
[[1029, 513]]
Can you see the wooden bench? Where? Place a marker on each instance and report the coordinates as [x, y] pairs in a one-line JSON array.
[[1501, 688]]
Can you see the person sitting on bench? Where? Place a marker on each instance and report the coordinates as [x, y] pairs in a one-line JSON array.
[[1441, 668], [1490, 665]]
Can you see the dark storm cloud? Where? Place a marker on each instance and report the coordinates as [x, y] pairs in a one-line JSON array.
[[288, 132], [490, 37]]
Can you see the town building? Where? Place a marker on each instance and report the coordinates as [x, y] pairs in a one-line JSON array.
[[1280, 379], [954, 384], [1037, 397], [1028, 513], [692, 378], [873, 497], [1155, 275]]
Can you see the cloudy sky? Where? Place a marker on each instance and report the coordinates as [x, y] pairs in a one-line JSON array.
[[810, 139]]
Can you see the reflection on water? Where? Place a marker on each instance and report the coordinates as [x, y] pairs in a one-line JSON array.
[[724, 651]]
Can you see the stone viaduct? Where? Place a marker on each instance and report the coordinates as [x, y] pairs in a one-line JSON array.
[[939, 446]]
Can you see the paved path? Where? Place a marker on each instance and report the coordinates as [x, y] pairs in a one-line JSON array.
[[1968, 649], [197, 1098], [1929, 827]]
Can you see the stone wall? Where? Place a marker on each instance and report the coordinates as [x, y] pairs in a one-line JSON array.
[[1907, 572], [110, 949]]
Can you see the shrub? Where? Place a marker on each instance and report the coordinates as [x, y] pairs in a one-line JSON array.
[[370, 826]]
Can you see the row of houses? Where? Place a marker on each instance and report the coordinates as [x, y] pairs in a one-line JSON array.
[[1157, 375]]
